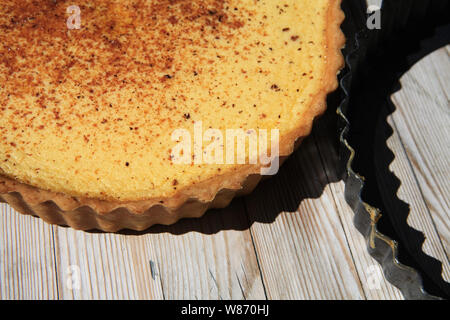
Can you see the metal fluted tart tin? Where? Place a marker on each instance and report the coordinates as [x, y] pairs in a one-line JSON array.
[[362, 43]]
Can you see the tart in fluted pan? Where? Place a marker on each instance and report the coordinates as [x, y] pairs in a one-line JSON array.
[[96, 96]]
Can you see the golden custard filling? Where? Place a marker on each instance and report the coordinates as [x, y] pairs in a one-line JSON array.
[[90, 111]]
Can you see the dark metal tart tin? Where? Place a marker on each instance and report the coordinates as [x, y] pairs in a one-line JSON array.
[[401, 258]]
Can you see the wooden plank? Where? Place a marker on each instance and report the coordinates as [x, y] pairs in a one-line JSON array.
[[210, 258], [422, 148], [108, 266], [194, 259], [377, 3], [27, 262], [300, 242]]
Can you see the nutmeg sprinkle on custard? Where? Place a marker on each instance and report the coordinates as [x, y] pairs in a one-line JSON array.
[[89, 112]]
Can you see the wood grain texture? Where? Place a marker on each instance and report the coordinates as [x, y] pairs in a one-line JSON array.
[[194, 259], [110, 266], [28, 269], [422, 131], [209, 258], [303, 254]]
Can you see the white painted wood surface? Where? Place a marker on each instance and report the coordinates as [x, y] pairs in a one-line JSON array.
[[422, 138]]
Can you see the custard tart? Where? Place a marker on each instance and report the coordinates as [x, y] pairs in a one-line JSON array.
[[118, 114]]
